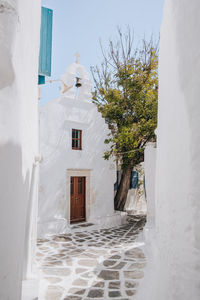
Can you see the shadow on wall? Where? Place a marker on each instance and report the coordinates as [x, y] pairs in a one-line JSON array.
[[14, 192]]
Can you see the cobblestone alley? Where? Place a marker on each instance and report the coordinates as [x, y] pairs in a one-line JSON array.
[[91, 263]]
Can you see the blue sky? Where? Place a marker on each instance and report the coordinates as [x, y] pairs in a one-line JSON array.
[[79, 24]]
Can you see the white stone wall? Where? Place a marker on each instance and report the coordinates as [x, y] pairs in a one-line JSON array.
[[19, 49], [150, 177], [59, 161], [174, 272]]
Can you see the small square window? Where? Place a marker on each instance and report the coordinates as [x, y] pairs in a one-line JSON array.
[[76, 139]]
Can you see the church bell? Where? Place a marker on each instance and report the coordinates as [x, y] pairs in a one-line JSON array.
[[78, 84]]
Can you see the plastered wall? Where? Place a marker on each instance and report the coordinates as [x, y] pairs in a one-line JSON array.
[[174, 260], [19, 49]]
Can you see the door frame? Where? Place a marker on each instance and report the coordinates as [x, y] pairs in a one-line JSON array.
[[78, 173], [83, 183]]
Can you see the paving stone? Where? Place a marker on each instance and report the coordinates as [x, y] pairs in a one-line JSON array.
[[41, 241], [114, 285], [88, 254], [53, 244], [88, 275], [80, 234], [115, 257], [80, 270], [108, 263], [109, 275], [135, 253], [69, 246], [130, 284], [119, 266], [137, 266], [99, 244], [99, 284], [104, 240], [78, 251], [133, 274], [80, 241], [130, 292], [66, 245], [44, 248], [60, 255], [66, 235], [87, 262], [114, 294], [96, 293], [62, 239], [53, 263], [77, 291], [80, 282], [49, 258]]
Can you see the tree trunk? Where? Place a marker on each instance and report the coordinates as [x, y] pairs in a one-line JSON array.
[[122, 192]]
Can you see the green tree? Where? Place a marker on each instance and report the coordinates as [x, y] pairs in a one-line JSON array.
[[126, 93]]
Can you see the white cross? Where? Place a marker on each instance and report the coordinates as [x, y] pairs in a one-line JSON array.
[[77, 57]]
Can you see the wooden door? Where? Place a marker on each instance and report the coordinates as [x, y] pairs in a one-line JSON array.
[[77, 191]]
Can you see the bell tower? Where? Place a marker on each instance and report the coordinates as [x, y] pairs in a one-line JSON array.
[[76, 77]]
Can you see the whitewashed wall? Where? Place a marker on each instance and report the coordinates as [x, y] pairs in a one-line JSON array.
[[57, 119], [174, 273], [150, 177], [19, 49]]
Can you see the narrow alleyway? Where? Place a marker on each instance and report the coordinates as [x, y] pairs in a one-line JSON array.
[[91, 263]]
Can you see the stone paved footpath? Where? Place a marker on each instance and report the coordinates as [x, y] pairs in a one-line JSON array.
[[91, 263]]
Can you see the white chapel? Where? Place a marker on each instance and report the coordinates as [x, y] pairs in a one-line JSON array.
[[76, 183]]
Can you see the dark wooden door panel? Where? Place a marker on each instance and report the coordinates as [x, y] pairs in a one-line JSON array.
[[77, 188]]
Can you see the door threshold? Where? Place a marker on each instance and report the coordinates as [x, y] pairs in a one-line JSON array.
[[77, 222], [82, 224]]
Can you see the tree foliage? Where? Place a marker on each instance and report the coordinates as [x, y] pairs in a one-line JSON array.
[[126, 93]]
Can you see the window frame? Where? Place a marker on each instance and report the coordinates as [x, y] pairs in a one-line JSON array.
[[77, 139]]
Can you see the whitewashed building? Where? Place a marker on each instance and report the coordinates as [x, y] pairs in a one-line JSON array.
[[76, 183], [19, 145], [173, 238]]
